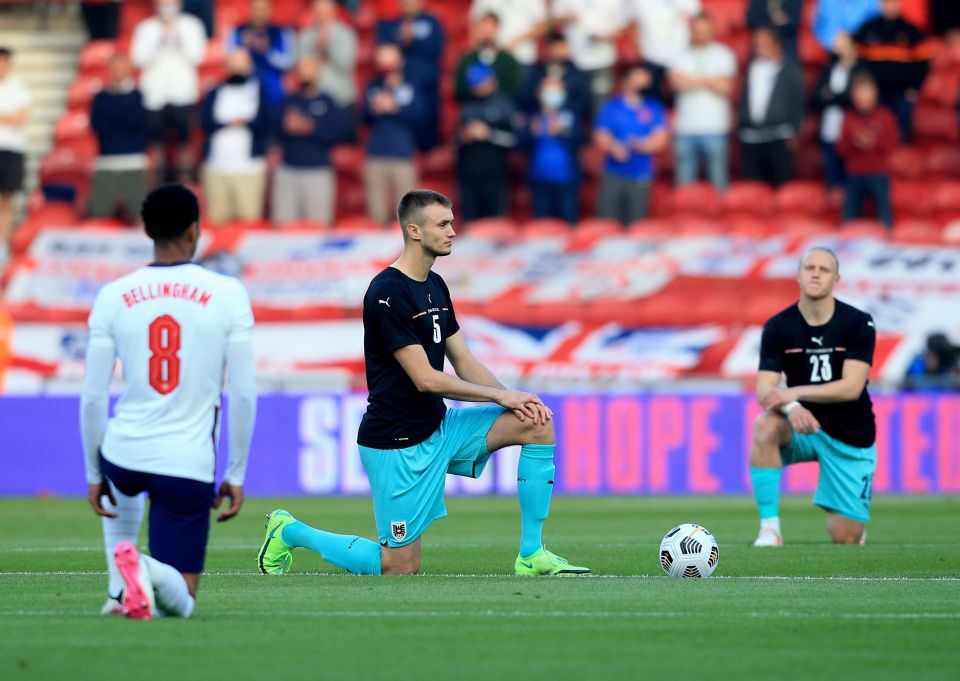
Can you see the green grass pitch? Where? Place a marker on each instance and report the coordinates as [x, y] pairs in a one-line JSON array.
[[810, 611]]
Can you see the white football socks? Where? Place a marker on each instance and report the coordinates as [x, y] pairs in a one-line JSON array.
[[125, 527], [169, 588], [770, 524]]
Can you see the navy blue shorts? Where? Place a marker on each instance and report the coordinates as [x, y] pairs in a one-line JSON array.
[[179, 521]]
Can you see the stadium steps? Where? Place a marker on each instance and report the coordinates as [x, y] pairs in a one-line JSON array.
[[46, 49]]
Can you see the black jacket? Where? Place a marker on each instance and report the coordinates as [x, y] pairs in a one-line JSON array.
[[896, 53], [784, 113]]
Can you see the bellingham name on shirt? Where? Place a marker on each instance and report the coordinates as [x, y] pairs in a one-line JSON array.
[[188, 292]]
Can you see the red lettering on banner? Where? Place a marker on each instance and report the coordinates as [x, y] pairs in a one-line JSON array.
[[751, 412], [624, 428], [581, 444], [913, 444], [703, 442], [666, 433], [948, 444], [883, 408]]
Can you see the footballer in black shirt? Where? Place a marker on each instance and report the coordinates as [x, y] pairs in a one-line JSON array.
[[409, 440], [824, 347]]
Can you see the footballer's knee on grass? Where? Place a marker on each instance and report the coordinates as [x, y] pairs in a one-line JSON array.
[[510, 430], [844, 530], [770, 432], [402, 560]]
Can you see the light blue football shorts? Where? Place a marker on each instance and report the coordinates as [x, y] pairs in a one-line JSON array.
[[846, 472], [407, 484]]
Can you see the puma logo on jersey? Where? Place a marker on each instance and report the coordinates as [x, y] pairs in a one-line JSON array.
[[818, 340], [385, 302], [870, 324]]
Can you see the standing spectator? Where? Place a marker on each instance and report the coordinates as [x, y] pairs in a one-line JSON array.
[[420, 36], [237, 122], [522, 24], [101, 18], [334, 44], [771, 111], [14, 113], [310, 124], [944, 16], [558, 65], [394, 109], [202, 10], [629, 131], [936, 368], [504, 66], [841, 16], [832, 97], [783, 15], [553, 136], [592, 28], [168, 48], [868, 137], [486, 134], [662, 28], [899, 58], [272, 47], [118, 118], [703, 77]]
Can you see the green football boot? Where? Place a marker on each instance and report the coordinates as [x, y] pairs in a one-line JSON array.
[[544, 562], [275, 557]]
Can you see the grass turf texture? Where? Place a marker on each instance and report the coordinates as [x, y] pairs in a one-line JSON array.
[[889, 610]]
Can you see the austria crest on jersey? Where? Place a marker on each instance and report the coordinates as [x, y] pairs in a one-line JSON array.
[[398, 528]]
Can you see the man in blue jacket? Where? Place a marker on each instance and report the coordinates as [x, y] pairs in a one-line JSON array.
[[394, 108], [310, 123], [272, 47], [420, 37], [118, 119]]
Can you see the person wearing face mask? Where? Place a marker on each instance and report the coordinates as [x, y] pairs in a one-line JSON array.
[[506, 68], [310, 123], [394, 108], [630, 130], [557, 64], [118, 118], [485, 135], [552, 135], [272, 47], [168, 48], [237, 122]]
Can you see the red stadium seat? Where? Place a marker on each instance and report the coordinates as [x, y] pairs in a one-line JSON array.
[[439, 161], [945, 201], [810, 51], [940, 89], [503, 229], [906, 163], [802, 226], [545, 227], [942, 160], [749, 197], [915, 232], [910, 199], [588, 232], [83, 90], [935, 123], [653, 228], [801, 197], [357, 223], [863, 229], [347, 159], [749, 226], [72, 125], [699, 198], [95, 55]]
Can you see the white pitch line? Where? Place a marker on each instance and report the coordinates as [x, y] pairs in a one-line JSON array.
[[744, 578], [347, 614]]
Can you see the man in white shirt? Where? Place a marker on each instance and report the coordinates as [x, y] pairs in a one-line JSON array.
[[175, 328], [236, 118], [662, 28], [703, 77], [168, 48], [592, 28], [14, 112], [521, 25]]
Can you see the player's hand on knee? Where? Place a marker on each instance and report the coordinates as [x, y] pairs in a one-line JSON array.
[[524, 405], [235, 494], [803, 421], [95, 496]]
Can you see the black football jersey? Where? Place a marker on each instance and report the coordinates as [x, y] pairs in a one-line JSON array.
[[399, 311], [812, 355]]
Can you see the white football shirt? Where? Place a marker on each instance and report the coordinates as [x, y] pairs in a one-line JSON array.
[[170, 326]]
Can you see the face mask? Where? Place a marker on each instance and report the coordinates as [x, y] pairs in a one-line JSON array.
[[237, 79], [553, 99], [169, 11]]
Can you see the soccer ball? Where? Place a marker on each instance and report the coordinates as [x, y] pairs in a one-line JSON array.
[[689, 550]]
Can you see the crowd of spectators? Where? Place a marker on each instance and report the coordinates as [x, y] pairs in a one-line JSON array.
[[540, 79]]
